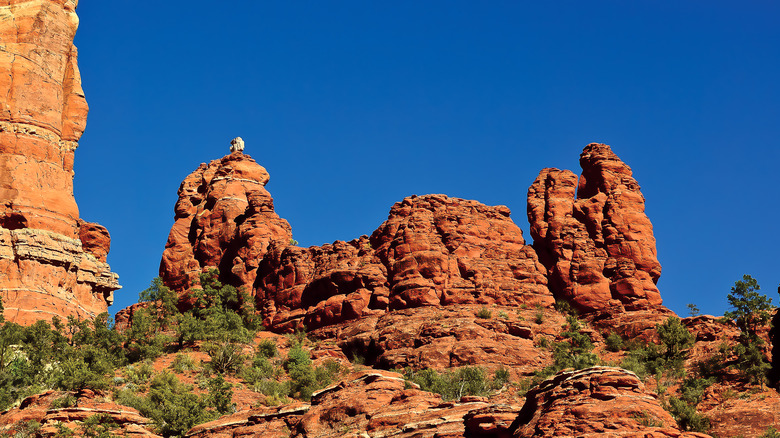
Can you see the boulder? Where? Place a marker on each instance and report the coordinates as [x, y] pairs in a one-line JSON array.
[[595, 402]]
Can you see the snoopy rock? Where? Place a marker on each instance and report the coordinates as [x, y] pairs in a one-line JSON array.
[[237, 145]]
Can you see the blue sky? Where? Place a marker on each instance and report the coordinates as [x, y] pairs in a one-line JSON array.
[[352, 106]]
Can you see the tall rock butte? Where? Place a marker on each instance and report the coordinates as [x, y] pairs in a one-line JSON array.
[[224, 219], [51, 262], [593, 235]]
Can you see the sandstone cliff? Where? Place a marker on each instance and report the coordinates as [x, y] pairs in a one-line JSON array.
[[51, 262]]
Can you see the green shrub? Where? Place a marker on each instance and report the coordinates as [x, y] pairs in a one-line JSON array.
[[299, 337], [687, 417], [261, 369], [676, 338], [139, 373], [226, 357], [24, 429], [503, 315], [653, 360], [302, 376], [771, 433], [484, 313], [614, 342], [452, 385], [327, 373], [751, 308], [500, 378], [183, 362], [275, 391], [564, 307], [171, 405], [220, 396], [98, 426], [692, 389], [646, 420], [267, 348], [66, 401], [751, 311], [77, 374], [751, 361]]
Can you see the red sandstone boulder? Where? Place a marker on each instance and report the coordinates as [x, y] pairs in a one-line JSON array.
[[51, 262], [595, 402], [593, 236], [95, 239], [443, 337]]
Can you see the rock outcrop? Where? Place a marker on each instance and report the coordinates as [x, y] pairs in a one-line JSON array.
[[39, 409], [433, 250], [442, 337], [595, 402], [224, 219], [441, 250], [369, 403], [593, 235], [593, 246], [51, 262]]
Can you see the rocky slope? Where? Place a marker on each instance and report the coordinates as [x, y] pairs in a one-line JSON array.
[[51, 262], [594, 402]]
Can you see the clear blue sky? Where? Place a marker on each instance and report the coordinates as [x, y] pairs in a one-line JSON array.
[[353, 105]]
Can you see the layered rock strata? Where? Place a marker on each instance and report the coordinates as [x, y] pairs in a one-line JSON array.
[[439, 338], [593, 235], [369, 403], [595, 402], [39, 409], [51, 262]]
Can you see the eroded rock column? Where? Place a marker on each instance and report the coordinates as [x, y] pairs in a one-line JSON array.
[[51, 262], [593, 235]]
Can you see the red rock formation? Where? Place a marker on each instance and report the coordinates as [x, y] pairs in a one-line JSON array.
[[432, 250], [51, 262], [595, 402], [441, 337], [441, 250], [318, 286], [594, 237], [224, 219], [368, 403], [38, 408]]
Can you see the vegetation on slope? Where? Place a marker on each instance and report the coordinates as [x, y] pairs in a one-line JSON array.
[[220, 323]]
